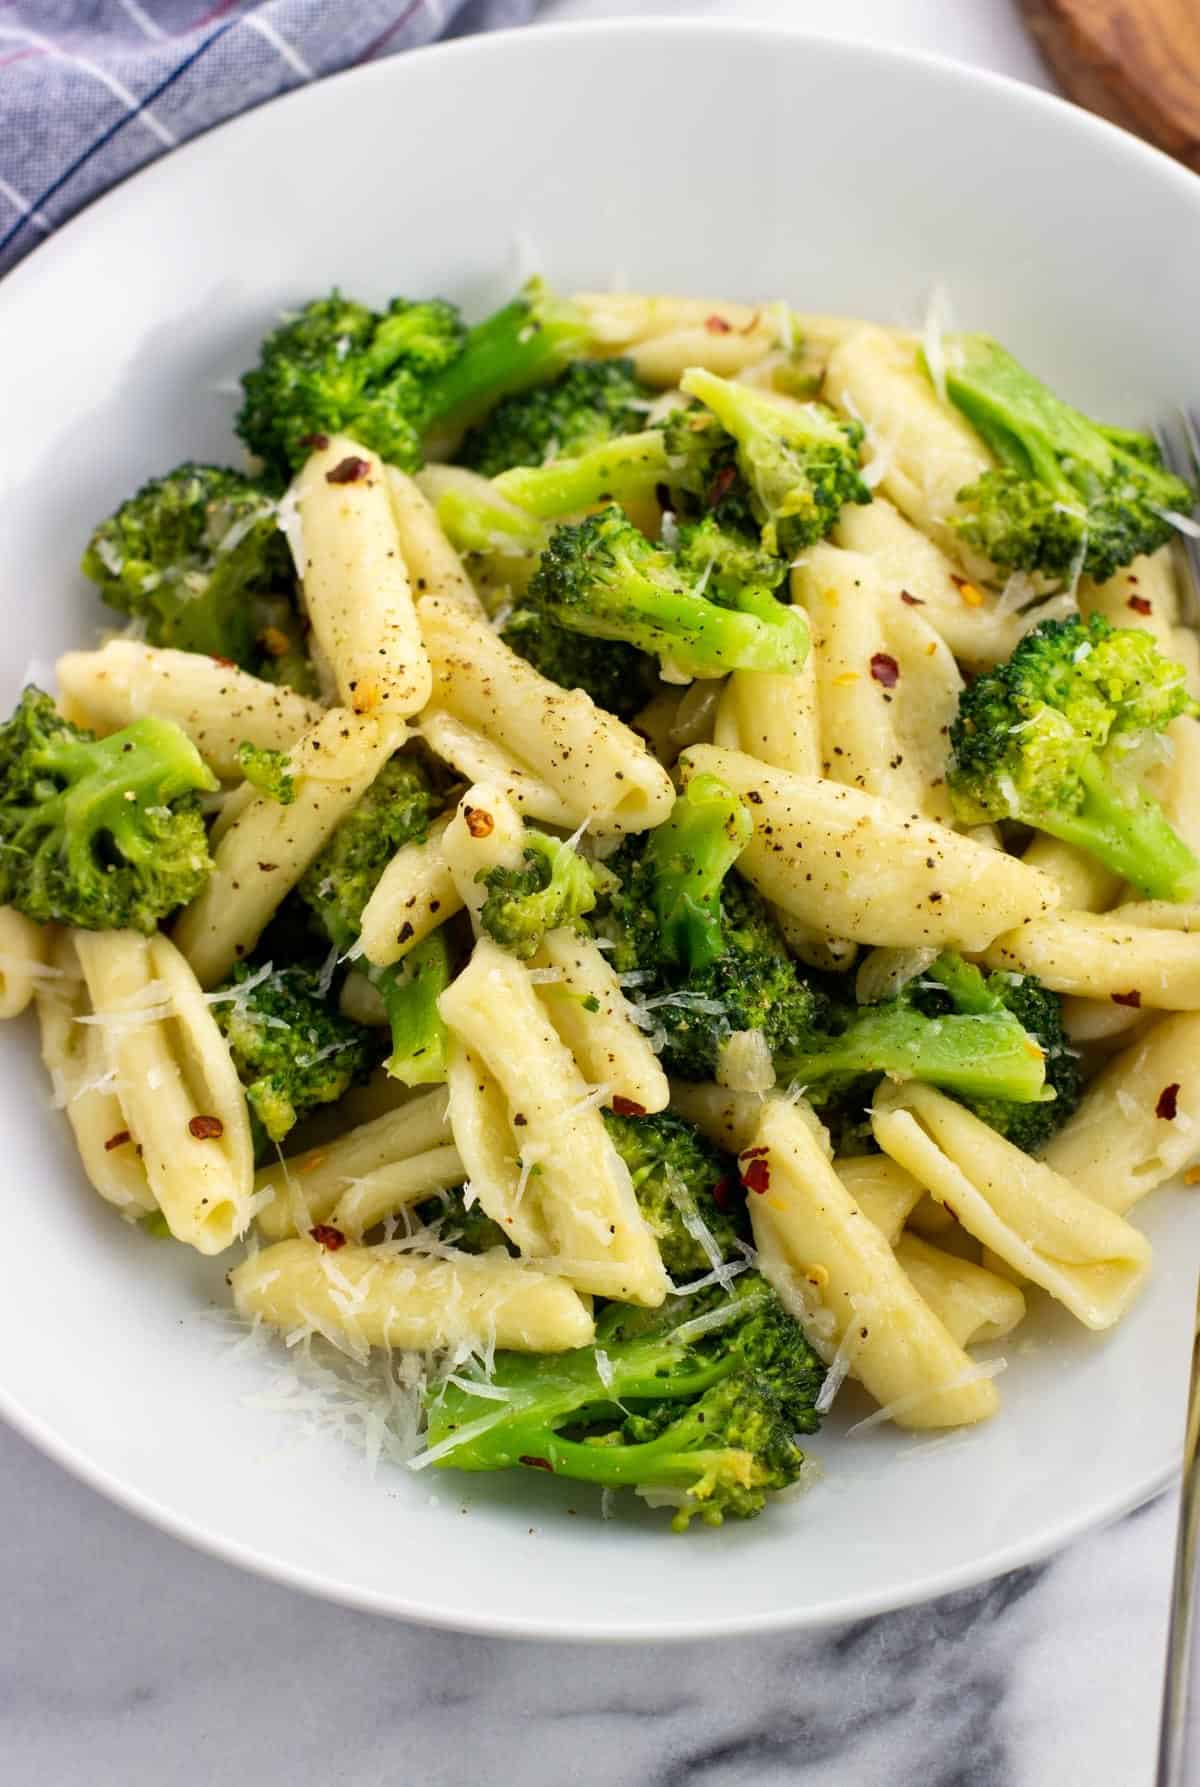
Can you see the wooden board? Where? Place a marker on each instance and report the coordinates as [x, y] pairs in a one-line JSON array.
[[1134, 61]]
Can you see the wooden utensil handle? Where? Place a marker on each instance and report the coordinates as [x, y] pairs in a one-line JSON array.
[[1134, 61]]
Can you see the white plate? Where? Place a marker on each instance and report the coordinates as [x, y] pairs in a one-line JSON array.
[[739, 162]]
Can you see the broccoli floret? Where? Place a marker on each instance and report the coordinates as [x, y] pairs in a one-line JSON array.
[[960, 986], [388, 378], [799, 460], [195, 556], [555, 886], [395, 810], [467, 1227], [690, 1198], [103, 833], [1069, 494], [269, 771], [663, 1402], [603, 578], [291, 1050], [618, 677], [748, 981], [589, 403], [1044, 738], [684, 865]]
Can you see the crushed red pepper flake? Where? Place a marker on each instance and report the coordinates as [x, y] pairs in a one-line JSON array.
[[225, 663], [720, 484], [912, 601], [752, 1153], [756, 1176], [717, 325], [478, 823], [318, 442], [723, 1194], [117, 1141], [537, 1464], [885, 669], [1140, 605], [351, 470], [1168, 1102], [326, 1236], [1132, 998], [627, 1107], [206, 1129]]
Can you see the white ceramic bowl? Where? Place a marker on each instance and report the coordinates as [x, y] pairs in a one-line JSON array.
[[741, 162]]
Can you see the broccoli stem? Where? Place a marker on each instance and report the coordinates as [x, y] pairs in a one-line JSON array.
[[623, 470], [987, 1055], [410, 992], [1133, 836], [525, 342], [689, 857]]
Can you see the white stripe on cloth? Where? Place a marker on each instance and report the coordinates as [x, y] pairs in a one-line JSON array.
[[117, 88], [24, 207], [278, 42]]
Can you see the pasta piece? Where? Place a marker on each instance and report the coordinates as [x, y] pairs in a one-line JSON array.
[[976, 629], [1142, 594], [479, 759], [771, 717], [434, 567], [1098, 1021], [389, 1189], [834, 1270], [360, 1297], [414, 895], [581, 1185], [305, 1188], [24, 949], [844, 861], [882, 1190], [179, 1091], [926, 451], [1175, 782], [486, 832], [76, 1060], [217, 705], [971, 1303], [1083, 881], [727, 1118], [1138, 1123], [592, 1017], [360, 1001], [1106, 955], [356, 587], [931, 1219], [1085, 1255], [887, 685], [831, 955], [663, 336], [602, 771], [265, 851], [484, 1137]]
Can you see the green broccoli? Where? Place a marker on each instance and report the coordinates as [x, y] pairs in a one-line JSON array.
[[628, 468], [589, 403], [690, 1197], [748, 981], [197, 556], [555, 886], [603, 578], [467, 1227], [959, 986], [103, 833], [269, 771], [291, 1050], [1069, 494], [618, 677], [700, 1415], [395, 810], [1045, 737], [685, 862], [799, 460], [389, 377]]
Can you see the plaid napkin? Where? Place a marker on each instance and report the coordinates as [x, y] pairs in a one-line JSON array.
[[92, 89]]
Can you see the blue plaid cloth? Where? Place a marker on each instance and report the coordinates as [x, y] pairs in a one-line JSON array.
[[92, 89]]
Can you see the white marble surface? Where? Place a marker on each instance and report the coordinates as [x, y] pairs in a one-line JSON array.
[[127, 1660]]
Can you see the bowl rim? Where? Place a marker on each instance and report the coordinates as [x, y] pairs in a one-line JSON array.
[[40, 262]]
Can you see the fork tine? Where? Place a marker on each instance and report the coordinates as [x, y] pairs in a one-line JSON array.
[[1185, 463]]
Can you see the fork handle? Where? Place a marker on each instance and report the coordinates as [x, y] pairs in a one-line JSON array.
[[1136, 62]]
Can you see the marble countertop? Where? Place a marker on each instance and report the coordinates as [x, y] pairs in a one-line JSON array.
[[127, 1660]]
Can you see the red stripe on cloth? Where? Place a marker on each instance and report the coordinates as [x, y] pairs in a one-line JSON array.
[[377, 44]]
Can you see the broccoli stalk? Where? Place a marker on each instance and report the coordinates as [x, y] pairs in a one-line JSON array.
[[104, 833], [198, 558], [603, 578], [526, 342], [591, 402], [554, 887], [664, 1401], [799, 460], [1069, 494], [1044, 737], [624, 470], [687, 859]]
